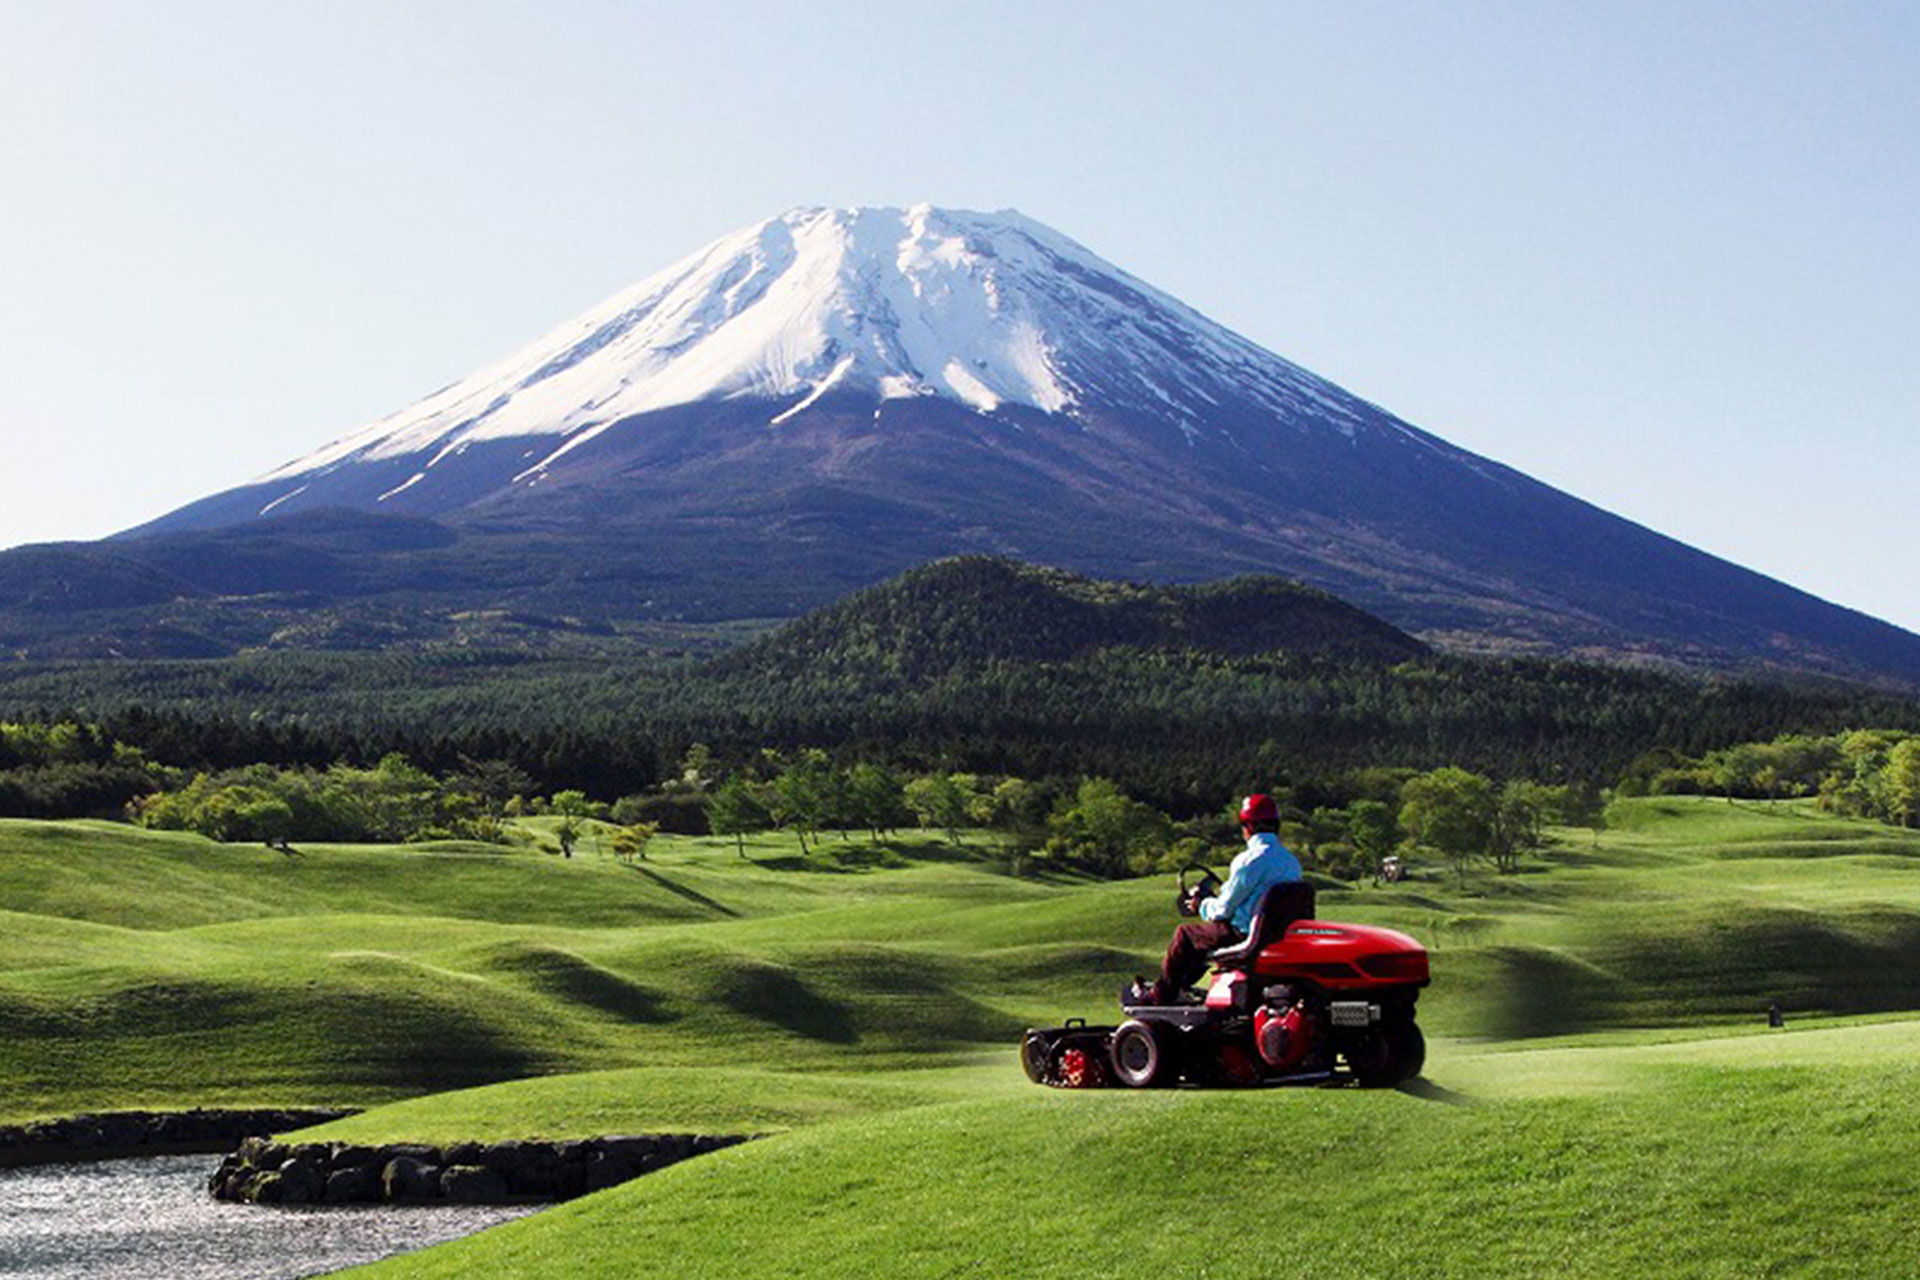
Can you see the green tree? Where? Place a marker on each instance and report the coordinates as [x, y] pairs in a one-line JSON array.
[[1519, 821], [976, 798], [391, 802], [1020, 810], [1321, 827], [874, 799], [496, 782], [838, 809], [1581, 804], [697, 771], [1901, 782], [1737, 770], [573, 807], [937, 800], [1343, 861], [630, 841], [1373, 832], [247, 813], [801, 794], [1106, 830], [1451, 811], [733, 809], [1854, 785]]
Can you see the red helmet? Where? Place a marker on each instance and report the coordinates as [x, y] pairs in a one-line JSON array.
[[1258, 808]]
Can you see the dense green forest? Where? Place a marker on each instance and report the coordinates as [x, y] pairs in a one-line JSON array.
[[1177, 695], [1177, 729]]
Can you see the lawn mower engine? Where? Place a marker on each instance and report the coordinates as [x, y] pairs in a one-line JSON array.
[[1283, 1031], [1298, 1001]]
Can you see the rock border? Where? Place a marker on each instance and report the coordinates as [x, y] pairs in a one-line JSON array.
[[112, 1135], [263, 1171]]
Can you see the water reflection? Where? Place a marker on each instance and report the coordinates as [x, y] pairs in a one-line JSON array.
[[152, 1218]]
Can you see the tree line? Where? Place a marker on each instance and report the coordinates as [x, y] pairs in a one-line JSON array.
[[1344, 820], [1346, 827], [1864, 773], [1164, 725], [1091, 824]]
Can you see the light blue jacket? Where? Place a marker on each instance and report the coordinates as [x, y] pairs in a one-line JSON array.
[[1264, 863]]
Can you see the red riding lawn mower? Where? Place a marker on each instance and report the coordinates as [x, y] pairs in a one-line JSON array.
[[1298, 1001]]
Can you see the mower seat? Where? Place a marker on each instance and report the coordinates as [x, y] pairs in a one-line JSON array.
[[1279, 907]]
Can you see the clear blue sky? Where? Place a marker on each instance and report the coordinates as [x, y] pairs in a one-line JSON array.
[[1661, 256]]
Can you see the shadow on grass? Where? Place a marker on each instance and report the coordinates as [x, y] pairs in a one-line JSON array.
[[867, 857], [1563, 858], [409, 1039], [1862, 960], [1686, 968], [930, 849], [777, 996], [794, 862], [1421, 1087], [1540, 991], [576, 980], [1035, 873], [840, 857], [691, 895]]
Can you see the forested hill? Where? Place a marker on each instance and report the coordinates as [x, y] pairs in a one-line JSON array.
[[969, 612]]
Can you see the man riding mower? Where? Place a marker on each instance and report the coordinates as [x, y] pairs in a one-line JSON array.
[[1293, 999]]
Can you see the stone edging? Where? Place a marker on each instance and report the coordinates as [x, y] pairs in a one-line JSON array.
[[114, 1134], [262, 1171]]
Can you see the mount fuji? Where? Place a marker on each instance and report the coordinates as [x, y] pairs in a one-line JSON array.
[[829, 397], [993, 319]]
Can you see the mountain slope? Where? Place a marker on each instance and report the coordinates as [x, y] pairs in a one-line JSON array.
[[833, 396]]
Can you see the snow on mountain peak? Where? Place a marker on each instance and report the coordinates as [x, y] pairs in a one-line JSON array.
[[986, 309]]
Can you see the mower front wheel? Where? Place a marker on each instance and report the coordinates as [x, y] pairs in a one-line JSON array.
[[1036, 1056], [1139, 1055]]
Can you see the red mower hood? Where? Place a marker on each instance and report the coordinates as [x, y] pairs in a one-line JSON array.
[[1344, 956]]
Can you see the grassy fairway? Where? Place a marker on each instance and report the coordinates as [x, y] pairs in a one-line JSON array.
[[1601, 1096], [1701, 1169]]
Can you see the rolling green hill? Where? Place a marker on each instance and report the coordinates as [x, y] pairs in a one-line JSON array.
[[979, 611], [139, 967], [1600, 1089], [1706, 1159]]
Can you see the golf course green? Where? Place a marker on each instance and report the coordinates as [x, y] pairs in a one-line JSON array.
[[1602, 1094]]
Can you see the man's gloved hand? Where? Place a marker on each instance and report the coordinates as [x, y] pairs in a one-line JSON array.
[[1187, 903]]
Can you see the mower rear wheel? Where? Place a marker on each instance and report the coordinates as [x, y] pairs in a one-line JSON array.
[[1411, 1051], [1139, 1056], [1393, 1054]]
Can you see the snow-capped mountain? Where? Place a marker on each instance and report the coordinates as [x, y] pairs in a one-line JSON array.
[[986, 311], [816, 402]]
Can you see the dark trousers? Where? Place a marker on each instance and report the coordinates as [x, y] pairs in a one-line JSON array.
[[1186, 961]]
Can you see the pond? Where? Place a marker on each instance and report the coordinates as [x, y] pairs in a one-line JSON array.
[[151, 1218]]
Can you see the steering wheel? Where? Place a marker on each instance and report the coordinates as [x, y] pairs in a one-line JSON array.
[[1188, 903]]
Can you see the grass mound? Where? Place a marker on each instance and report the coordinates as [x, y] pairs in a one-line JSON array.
[[1702, 1163], [572, 979], [721, 1096]]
